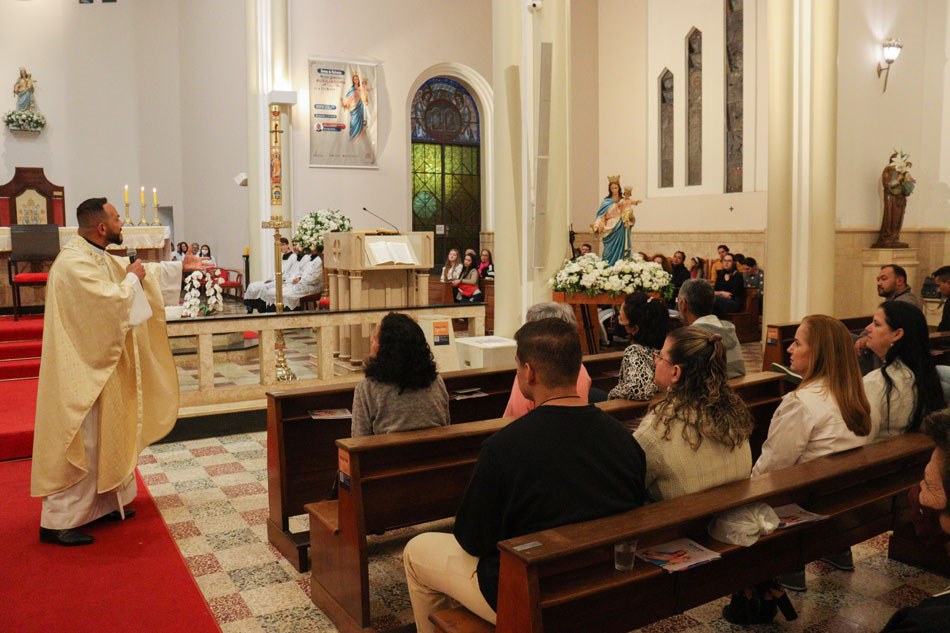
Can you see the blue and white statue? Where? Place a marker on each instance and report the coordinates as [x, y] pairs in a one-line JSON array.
[[23, 89], [614, 221]]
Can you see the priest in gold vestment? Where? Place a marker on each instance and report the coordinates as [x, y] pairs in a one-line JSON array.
[[108, 385]]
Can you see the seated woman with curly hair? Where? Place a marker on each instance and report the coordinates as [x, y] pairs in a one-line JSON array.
[[402, 390], [646, 320], [696, 436]]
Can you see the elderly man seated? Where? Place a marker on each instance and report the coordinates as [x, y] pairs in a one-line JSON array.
[[695, 305]]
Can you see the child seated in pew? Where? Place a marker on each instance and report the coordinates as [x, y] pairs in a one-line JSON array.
[[645, 320], [906, 388], [564, 462], [518, 405], [696, 436], [402, 390], [827, 413]]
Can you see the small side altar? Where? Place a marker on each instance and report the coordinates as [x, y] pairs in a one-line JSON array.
[[585, 311]]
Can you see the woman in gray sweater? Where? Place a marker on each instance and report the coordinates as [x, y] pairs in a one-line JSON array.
[[402, 390]]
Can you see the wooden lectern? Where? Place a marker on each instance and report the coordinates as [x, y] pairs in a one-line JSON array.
[[373, 271]]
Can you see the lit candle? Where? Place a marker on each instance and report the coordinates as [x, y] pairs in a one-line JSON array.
[[154, 197], [126, 194], [143, 196], [246, 251]]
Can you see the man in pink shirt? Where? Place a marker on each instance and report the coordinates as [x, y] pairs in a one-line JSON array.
[[518, 405]]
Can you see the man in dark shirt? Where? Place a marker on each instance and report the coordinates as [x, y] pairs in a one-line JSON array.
[[942, 276], [563, 462]]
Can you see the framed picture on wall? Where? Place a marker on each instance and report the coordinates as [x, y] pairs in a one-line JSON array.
[[343, 113]]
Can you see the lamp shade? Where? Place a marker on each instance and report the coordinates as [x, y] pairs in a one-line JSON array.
[[892, 50]]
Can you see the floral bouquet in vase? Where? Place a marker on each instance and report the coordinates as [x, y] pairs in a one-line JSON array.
[[591, 275], [310, 230], [192, 305]]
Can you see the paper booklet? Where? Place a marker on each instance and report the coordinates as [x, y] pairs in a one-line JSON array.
[[464, 394], [381, 253], [683, 553], [793, 514], [330, 414]]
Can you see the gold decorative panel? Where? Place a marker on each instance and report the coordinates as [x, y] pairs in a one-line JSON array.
[[31, 208]]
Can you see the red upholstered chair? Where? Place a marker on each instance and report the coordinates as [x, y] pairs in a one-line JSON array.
[[232, 286], [30, 243]]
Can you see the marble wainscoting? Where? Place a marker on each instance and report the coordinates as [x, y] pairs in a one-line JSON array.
[[693, 243], [933, 251]]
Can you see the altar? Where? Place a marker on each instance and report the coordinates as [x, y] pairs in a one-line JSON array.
[[152, 244]]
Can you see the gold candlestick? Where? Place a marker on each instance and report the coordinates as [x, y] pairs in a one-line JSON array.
[[128, 217], [142, 220], [155, 222]]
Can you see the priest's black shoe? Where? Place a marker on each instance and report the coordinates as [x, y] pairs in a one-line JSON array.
[[65, 537], [115, 516]]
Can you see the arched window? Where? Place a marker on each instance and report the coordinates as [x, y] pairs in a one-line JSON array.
[[733, 95], [666, 128], [694, 108], [446, 166]]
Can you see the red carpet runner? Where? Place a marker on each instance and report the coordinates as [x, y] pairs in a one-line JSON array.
[[20, 343], [132, 579]]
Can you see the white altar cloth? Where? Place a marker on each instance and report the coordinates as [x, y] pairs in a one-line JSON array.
[[132, 237]]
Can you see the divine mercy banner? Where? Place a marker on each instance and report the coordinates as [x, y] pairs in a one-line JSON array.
[[343, 110]]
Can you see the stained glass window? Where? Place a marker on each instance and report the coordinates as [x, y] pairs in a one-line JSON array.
[[443, 111], [694, 108], [733, 95], [446, 166], [666, 128]]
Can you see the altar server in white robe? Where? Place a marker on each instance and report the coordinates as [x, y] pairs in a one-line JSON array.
[[108, 385], [307, 280], [290, 261]]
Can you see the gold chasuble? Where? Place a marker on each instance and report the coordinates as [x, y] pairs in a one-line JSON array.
[[92, 352]]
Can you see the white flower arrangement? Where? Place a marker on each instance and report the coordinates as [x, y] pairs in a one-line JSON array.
[[191, 306], [901, 163], [309, 233], [592, 276], [29, 120]]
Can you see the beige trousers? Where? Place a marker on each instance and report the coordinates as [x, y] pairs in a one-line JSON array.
[[437, 568]]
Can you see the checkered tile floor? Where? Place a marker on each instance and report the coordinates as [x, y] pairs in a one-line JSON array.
[[212, 494]]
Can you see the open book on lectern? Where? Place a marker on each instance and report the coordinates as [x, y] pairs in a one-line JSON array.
[[393, 251]]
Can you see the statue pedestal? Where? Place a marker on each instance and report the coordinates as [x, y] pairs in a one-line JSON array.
[[871, 261]]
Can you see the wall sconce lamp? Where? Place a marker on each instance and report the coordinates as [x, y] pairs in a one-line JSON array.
[[892, 50]]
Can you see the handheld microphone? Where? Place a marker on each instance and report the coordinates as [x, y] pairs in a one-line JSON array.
[[132, 255], [383, 219]]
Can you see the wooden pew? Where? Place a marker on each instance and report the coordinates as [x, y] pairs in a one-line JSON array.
[[390, 481], [779, 337], [748, 322], [302, 458], [563, 579]]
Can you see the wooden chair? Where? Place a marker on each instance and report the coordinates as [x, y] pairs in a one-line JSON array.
[[233, 286], [31, 243]]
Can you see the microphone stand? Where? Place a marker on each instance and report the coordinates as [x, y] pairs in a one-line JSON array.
[[395, 228]]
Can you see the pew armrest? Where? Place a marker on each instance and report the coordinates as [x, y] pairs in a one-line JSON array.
[[327, 513], [460, 620]]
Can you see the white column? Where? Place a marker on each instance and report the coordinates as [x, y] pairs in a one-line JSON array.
[[268, 68], [508, 168], [803, 106], [516, 39]]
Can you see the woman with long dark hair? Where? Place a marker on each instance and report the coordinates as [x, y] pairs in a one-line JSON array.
[[466, 286], [696, 436], [906, 388], [730, 288], [645, 320], [402, 390]]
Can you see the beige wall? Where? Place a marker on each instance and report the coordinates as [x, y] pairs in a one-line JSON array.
[[911, 115], [137, 93], [405, 38]]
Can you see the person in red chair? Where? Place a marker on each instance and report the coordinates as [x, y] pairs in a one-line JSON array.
[[108, 386]]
